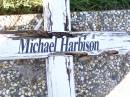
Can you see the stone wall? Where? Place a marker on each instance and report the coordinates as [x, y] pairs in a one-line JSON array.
[[101, 21], [115, 20], [95, 76], [23, 78]]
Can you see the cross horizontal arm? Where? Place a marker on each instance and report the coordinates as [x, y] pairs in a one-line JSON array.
[[13, 47]]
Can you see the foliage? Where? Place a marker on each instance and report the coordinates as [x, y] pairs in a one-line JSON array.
[[88, 5], [35, 6], [20, 6]]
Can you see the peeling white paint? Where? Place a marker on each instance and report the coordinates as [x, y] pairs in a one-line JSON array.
[[120, 42], [56, 15], [59, 83]]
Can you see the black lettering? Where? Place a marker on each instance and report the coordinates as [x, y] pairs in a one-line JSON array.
[[51, 47], [75, 45], [31, 48], [40, 46], [55, 44], [70, 48], [46, 45], [34, 47], [64, 44], [81, 45], [92, 46], [97, 45], [24, 46], [87, 48]]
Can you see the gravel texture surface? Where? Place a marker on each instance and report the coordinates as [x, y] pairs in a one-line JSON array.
[[23, 78], [98, 75]]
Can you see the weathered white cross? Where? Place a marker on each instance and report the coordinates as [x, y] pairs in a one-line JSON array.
[[59, 66]]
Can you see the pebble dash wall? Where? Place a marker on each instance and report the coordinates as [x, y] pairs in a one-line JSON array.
[[95, 76]]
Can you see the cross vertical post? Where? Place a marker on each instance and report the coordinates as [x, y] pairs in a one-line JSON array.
[[60, 80], [59, 68], [56, 15]]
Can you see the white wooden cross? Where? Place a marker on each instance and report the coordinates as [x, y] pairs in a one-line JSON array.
[[59, 67]]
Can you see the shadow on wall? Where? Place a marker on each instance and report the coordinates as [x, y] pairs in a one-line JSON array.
[[21, 22], [115, 20]]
